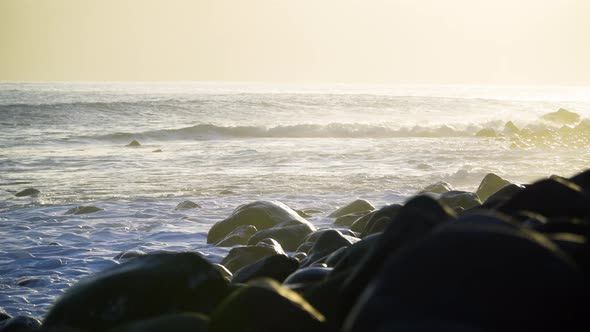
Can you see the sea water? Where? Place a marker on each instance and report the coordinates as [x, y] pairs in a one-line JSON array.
[[309, 146]]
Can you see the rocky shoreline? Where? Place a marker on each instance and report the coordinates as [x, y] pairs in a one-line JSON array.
[[508, 257]]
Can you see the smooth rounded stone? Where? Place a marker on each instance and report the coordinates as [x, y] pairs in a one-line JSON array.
[[414, 221], [239, 257], [83, 210], [359, 205], [181, 322], [582, 179], [32, 282], [503, 194], [276, 267], [460, 199], [299, 256], [223, 271], [562, 116], [32, 192], [20, 324], [487, 217], [571, 226], [157, 150], [140, 288], [511, 129], [348, 219], [305, 247], [128, 254], [307, 213], [354, 254], [308, 275], [490, 277], [440, 187], [489, 185], [238, 236], [336, 256], [313, 237], [289, 236], [375, 225], [187, 205], [133, 144], [551, 198], [260, 214], [486, 132], [328, 242], [389, 211], [264, 305]]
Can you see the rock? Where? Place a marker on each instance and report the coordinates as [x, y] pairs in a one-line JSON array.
[[265, 306], [582, 180], [354, 254], [20, 324], [276, 267], [32, 192], [261, 214], [187, 205], [307, 213], [238, 236], [181, 322], [440, 187], [223, 271], [32, 282], [239, 257], [308, 275], [327, 243], [503, 194], [313, 237], [376, 225], [551, 198], [133, 144], [488, 277], [562, 116], [335, 257], [489, 185], [3, 315], [83, 210], [140, 288], [460, 199], [511, 129], [305, 247], [389, 211], [348, 219], [359, 205], [486, 132], [157, 150], [288, 235]]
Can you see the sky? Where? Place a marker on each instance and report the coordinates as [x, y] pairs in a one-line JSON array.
[[500, 42]]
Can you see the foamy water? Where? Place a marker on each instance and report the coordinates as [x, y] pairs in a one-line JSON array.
[[312, 147]]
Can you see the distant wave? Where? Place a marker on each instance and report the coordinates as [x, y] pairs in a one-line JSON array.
[[333, 130]]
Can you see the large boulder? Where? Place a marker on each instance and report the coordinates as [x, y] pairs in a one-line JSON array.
[[359, 205], [487, 277], [328, 242], [260, 214], [239, 257], [140, 288], [462, 200], [238, 236], [562, 117], [263, 305], [32, 192], [182, 322], [276, 267], [440, 187], [289, 235], [489, 185]]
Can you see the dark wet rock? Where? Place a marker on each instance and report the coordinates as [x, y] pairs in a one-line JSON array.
[[265, 306], [460, 199], [20, 324], [308, 275], [238, 236], [359, 205], [486, 132], [376, 225], [440, 187], [140, 288], [83, 210], [289, 235], [181, 322], [261, 214], [239, 257], [157, 150], [414, 221], [305, 247], [562, 116], [571, 226], [225, 273], [4, 315], [348, 219], [582, 180], [335, 257], [489, 185], [503, 194], [187, 205], [313, 237], [31, 282], [307, 213], [360, 224], [354, 254], [276, 267], [328, 242], [32, 192], [133, 144], [487, 277], [127, 254], [388, 211], [299, 256], [552, 198]]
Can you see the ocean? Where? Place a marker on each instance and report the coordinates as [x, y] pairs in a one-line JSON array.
[[220, 145]]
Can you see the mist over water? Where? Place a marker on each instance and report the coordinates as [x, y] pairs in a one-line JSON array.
[[223, 145]]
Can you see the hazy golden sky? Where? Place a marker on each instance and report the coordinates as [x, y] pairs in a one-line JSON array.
[[364, 41]]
